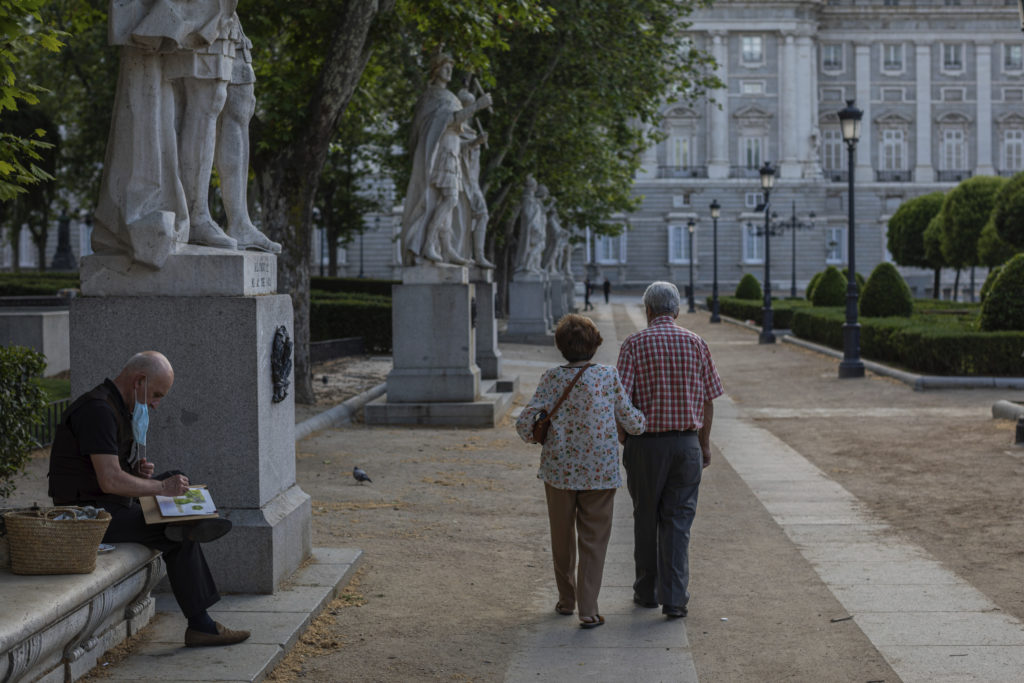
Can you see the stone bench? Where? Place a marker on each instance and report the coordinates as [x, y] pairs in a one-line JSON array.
[[55, 628]]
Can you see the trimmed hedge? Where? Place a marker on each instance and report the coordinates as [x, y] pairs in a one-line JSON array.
[[886, 294], [353, 285], [989, 279], [743, 309], [1003, 308], [353, 316], [815, 279], [934, 347], [749, 288], [35, 283], [831, 288]]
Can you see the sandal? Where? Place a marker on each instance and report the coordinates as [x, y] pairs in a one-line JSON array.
[[592, 622], [564, 611]]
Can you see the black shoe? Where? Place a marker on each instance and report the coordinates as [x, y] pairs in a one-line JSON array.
[[202, 531], [673, 611], [644, 603]]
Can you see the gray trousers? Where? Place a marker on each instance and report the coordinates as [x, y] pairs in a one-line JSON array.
[[663, 472]]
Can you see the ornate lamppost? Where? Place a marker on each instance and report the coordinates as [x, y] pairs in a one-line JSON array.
[[851, 365], [767, 183], [716, 211], [794, 225], [690, 227]]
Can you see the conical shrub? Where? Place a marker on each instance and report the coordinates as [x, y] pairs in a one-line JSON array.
[[1003, 308], [992, 275], [886, 294], [749, 288], [831, 288], [815, 279]]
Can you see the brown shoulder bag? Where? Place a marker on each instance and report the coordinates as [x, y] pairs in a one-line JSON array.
[[542, 421]]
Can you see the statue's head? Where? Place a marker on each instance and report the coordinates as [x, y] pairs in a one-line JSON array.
[[438, 64], [466, 98], [542, 191]]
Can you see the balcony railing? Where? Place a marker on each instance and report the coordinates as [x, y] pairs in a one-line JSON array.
[[952, 176], [744, 172], [1009, 173], [906, 176], [682, 171], [835, 176]]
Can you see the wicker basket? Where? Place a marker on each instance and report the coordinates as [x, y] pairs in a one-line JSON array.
[[41, 545]]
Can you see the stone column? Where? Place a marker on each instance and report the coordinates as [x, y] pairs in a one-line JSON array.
[[488, 357], [864, 170], [718, 154], [808, 113], [983, 54], [214, 313], [924, 171], [789, 108]]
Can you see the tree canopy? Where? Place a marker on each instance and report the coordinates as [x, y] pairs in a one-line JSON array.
[[1008, 215], [965, 211], [906, 230]]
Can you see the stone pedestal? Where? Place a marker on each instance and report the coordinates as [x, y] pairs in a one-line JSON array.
[[569, 291], [435, 380], [219, 423], [488, 357], [557, 298], [528, 322]]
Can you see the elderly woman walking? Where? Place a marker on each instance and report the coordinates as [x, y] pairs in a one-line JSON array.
[[579, 462]]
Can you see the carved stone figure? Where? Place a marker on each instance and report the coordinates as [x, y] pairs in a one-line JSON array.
[[435, 143], [183, 103], [532, 228], [470, 220], [557, 239]]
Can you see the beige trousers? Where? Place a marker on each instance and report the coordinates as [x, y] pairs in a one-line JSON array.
[[588, 516]]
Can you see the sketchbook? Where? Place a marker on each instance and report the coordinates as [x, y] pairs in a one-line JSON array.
[[195, 503]]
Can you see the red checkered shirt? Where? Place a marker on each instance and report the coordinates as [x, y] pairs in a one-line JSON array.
[[668, 373]]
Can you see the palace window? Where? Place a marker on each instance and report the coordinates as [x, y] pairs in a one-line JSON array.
[[610, 250], [753, 245], [678, 243], [832, 57], [680, 151], [1013, 150], [893, 151], [752, 49], [751, 151], [835, 239], [892, 57], [952, 57], [833, 151], [953, 150], [1013, 57]]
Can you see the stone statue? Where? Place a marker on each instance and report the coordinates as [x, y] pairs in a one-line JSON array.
[[471, 216], [566, 259], [435, 143], [557, 238], [532, 228], [183, 103]]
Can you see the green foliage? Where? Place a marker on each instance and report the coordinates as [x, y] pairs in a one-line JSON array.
[[993, 250], [965, 211], [36, 284], [992, 275], [54, 388], [1003, 308], [21, 405], [932, 241], [905, 239], [831, 288], [359, 315], [886, 294], [744, 309], [22, 34], [815, 279], [1008, 212], [749, 288], [938, 345], [858, 277], [353, 284]]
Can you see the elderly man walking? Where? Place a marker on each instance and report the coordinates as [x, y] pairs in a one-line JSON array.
[[669, 374]]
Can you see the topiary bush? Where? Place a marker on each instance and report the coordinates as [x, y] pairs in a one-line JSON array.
[[831, 288], [992, 275], [857, 276], [1003, 308], [749, 288], [886, 294], [815, 279], [21, 407]]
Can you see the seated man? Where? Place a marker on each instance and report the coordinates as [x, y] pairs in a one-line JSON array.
[[98, 458]]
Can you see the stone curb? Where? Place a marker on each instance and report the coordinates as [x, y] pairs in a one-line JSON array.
[[918, 382], [339, 414], [1007, 410]]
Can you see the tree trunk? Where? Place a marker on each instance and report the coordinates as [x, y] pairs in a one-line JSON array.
[[956, 285], [937, 282], [288, 176]]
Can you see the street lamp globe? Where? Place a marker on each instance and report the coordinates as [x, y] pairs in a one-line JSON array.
[[767, 176], [716, 208], [849, 122]]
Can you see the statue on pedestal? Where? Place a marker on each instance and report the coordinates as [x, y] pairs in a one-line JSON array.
[[183, 103], [532, 228], [557, 239], [436, 180], [472, 215]]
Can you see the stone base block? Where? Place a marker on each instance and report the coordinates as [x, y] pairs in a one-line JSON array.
[[538, 339], [527, 309], [191, 271], [42, 329], [433, 384], [488, 411]]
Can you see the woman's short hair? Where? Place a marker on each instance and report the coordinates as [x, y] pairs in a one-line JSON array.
[[577, 337], [662, 298]]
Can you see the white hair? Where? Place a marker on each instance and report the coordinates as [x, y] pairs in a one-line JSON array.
[[662, 298]]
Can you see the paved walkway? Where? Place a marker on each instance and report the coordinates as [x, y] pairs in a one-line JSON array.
[[926, 622]]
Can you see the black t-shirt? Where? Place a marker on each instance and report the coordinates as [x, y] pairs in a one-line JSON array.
[[95, 427]]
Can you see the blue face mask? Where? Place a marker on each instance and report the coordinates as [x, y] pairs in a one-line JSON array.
[[140, 418]]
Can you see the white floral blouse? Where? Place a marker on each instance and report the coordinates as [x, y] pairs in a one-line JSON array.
[[582, 448]]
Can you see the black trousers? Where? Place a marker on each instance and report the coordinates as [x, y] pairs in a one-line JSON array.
[[187, 571]]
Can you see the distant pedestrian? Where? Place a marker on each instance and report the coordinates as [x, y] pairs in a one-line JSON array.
[[607, 286], [579, 462], [588, 287], [668, 372]]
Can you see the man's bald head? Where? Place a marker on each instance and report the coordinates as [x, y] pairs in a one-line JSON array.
[[145, 378]]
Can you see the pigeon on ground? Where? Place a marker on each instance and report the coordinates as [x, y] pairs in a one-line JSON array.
[[360, 476]]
